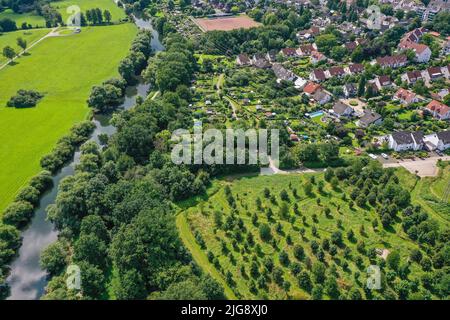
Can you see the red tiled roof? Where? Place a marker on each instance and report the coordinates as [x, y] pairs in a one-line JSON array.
[[311, 87], [438, 107]]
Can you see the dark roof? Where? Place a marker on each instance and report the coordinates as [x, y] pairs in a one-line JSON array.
[[418, 136], [319, 74], [370, 117], [356, 67], [402, 137], [339, 107], [444, 136], [336, 71]]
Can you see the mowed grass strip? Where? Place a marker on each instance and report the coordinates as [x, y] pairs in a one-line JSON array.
[[116, 12], [64, 69], [10, 39]]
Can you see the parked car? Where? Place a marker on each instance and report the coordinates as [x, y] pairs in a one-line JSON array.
[[374, 157], [385, 156]]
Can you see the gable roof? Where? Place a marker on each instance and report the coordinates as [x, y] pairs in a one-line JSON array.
[[402, 137], [405, 95], [336, 71], [356, 67], [444, 136], [319, 74], [392, 60], [311, 87], [438, 107], [340, 107], [369, 117]]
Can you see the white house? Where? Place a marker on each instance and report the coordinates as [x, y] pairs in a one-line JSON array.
[[405, 140], [440, 141]]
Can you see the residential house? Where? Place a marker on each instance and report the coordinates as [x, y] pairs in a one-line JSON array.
[[259, 61], [349, 90], [243, 60], [300, 83], [414, 35], [322, 96], [350, 46], [438, 110], [446, 48], [335, 72], [405, 140], [393, 61], [306, 49], [446, 71], [433, 73], [422, 51], [311, 87], [316, 57], [354, 68], [282, 73], [406, 97], [411, 77], [383, 82], [439, 141], [439, 96], [341, 109], [271, 55], [317, 75], [369, 118], [288, 52]]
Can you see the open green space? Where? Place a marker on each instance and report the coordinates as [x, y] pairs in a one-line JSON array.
[[116, 12], [20, 18], [225, 237], [10, 39], [62, 69]]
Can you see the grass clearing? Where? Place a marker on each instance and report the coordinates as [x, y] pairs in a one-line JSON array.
[[61, 68], [116, 12], [19, 18], [10, 39]]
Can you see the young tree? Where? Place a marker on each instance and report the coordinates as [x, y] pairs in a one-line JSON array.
[[22, 43], [9, 52]]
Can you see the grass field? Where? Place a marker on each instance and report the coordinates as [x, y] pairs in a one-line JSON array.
[[116, 12], [62, 69], [232, 252], [29, 18], [10, 39]]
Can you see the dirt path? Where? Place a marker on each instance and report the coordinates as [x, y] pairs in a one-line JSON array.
[[273, 169], [52, 33]]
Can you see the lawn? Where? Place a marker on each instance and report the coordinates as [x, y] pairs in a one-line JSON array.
[[228, 250], [10, 39], [29, 18], [62, 69], [116, 12]]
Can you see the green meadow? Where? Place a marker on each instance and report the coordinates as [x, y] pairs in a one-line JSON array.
[[64, 69], [19, 18], [10, 39], [116, 12]]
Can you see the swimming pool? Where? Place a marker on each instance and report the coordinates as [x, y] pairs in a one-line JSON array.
[[316, 114]]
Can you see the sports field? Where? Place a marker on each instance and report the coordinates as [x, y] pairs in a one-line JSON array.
[[116, 12], [226, 23], [29, 18], [62, 69]]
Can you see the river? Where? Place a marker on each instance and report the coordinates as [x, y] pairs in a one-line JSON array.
[[27, 281]]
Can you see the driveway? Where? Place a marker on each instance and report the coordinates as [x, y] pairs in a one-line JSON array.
[[423, 168]]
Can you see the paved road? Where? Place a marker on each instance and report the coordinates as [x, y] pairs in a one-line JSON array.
[[424, 168]]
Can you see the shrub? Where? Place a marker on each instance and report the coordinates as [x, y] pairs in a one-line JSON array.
[[24, 99]]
